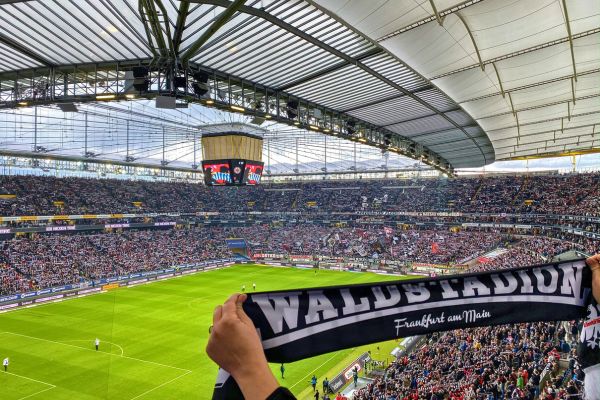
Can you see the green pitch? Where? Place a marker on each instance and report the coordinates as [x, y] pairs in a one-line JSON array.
[[152, 339]]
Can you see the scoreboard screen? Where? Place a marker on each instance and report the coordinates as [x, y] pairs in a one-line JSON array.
[[232, 172], [253, 172], [216, 173]]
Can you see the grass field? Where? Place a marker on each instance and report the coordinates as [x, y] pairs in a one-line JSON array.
[[152, 339]]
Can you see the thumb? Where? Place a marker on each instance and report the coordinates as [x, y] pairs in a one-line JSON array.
[[240, 309], [594, 261]]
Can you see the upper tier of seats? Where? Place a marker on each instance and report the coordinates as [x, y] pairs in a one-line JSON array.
[[574, 194]]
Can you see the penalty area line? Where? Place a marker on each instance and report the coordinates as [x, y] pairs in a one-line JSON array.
[[101, 352], [307, 375], [161, 385], [92, 341], [36, 393], [51, 386]]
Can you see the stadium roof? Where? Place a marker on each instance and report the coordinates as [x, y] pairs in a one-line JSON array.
[[420, 78], [527, 71]]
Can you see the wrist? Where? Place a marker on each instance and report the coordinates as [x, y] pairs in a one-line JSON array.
[[255, 380]]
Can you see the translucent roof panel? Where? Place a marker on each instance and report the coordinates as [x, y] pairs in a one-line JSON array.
[[521, 69], [137, 130]]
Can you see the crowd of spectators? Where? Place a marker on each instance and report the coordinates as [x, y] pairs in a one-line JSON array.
[[426, 245], [54, 260], [47, 260], [549, 194], [518, 361], [530, 250]]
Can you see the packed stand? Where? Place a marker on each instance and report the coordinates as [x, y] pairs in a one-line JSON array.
[[53, 260], [519, 361], [548, 194]]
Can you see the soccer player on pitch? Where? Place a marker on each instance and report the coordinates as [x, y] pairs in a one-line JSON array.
[[5, 363], [97, 343]]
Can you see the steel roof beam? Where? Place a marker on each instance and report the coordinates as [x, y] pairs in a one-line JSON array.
[[542, 121], [531, 85], [334, 120], [521, 52], [402, 121], [167, 28], [431, 18], [442, 131], [590, 96], [47, 156], [481, 64], [549, 131], [394, 97], [24, 50], [184, 8], [328, 70], [439, 19], [151, 22], [568, 25], [231, 8], [147, 29]]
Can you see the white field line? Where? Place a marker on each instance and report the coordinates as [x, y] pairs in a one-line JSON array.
[[92, 342], [36, 393], [33, 380], [30, 379], [161, 385], [307, 375], [88, 349]]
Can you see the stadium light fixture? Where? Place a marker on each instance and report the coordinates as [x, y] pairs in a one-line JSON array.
[[105, 97], [268, 116], [314, 127], [130, 96], [363, 140], [210, 102], [327, 130], [296, 123], [22, 103], [237, 108]]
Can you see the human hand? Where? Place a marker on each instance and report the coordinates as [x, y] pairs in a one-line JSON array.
[[235, 346], [594, 263]]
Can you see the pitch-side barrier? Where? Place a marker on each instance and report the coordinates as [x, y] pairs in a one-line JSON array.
[[86, 288]]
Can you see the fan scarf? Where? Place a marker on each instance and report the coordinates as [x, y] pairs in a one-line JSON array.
[[307, 322]]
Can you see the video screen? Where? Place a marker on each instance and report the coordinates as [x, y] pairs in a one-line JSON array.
[[253, 172], [217, 174]]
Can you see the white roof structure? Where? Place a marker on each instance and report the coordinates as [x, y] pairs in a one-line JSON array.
[[527, 71], [454, 84]]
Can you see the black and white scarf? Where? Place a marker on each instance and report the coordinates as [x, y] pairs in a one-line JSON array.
[[297, 324]]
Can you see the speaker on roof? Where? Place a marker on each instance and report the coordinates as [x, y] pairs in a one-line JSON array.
[[140, 72], [387, 139], [200, 85], [137, 80], [180, 82], [292, 109], [350, 127], [67, 107], [201, 76]]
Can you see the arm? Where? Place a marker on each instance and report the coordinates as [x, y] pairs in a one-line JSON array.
[[594, 264], [234, 345]]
